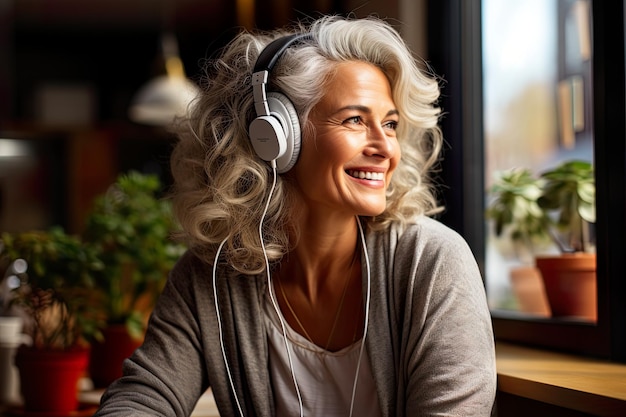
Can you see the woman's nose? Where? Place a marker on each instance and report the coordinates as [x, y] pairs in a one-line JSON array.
[[381, 144]]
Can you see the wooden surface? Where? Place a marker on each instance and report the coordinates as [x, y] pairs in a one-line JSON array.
[[583, 384], [204, 408]]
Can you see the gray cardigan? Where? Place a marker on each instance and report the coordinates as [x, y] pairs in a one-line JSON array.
[[429, 342]]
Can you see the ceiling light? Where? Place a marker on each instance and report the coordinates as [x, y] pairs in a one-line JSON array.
[[166, 96]]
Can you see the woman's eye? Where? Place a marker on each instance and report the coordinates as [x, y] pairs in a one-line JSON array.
[[393, 125], [353, 120]]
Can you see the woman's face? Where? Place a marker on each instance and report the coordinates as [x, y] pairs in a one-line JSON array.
[[347, 164]]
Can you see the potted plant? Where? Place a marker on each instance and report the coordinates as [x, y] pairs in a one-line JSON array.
[[559, 204], [569, 192], [518, 217], [568, 196], [516, 212], [60, 306], [131, 226]]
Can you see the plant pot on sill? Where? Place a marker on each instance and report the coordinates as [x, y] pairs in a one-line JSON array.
[[570, 283], [49, 378], [529, 291], [105, 364]]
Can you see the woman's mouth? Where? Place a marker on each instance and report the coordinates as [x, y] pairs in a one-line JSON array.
[[366, 175]]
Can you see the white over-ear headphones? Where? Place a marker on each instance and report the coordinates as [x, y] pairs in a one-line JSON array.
[[275, 132]]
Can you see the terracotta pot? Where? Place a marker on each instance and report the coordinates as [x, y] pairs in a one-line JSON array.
[[529, 290], [49, 378], [105, 364], [570, 283]]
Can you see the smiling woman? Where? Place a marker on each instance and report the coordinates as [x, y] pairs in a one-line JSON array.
[[355, 133], [325, 290]]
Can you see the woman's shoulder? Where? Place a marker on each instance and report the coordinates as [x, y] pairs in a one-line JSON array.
[[189, 264], [426, 245], [422, 232], [429, 226], [194, 273]]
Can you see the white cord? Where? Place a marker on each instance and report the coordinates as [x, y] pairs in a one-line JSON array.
[[276, 308], [274, 304], [273, 299], [219, 325], [367, 314]]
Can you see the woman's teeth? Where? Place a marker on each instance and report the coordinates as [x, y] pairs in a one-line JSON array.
[[377, 176]]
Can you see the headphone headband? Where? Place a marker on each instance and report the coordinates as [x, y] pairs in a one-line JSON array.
[[265, 62], [273, 51]]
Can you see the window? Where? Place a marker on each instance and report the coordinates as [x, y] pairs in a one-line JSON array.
[[537, 114], [456, 51]]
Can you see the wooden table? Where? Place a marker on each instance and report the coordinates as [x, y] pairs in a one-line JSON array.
[[566, 384]]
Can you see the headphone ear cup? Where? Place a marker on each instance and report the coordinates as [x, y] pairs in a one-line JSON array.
[[267, 136], [281, 107]]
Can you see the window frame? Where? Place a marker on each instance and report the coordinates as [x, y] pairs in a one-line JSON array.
[[454, 51]]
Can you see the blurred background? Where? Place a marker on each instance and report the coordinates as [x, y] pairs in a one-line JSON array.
[[84, 96], [72, 70], [87, 89]]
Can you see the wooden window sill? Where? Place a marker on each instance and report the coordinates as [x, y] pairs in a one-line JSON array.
[[585, 385]]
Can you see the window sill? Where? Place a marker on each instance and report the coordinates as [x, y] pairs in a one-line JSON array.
[[569, 382]]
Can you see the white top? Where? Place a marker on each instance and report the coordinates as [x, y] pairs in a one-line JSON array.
[[325, 379]]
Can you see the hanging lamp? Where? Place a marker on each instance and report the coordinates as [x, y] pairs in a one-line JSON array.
[[166, 96]]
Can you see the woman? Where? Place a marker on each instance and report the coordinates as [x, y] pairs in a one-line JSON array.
[[315, 283]]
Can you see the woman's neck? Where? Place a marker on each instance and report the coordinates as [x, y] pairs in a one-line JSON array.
[[323, 252], [319, 288]]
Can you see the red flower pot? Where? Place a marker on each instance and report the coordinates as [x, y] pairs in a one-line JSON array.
[[105, 365], [49, 378]]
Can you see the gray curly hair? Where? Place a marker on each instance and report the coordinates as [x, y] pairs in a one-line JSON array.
[[220, 185]]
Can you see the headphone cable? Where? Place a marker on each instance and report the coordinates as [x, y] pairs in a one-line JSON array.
[[271, 293], [219, 325], [276, 308], [367, 311]]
